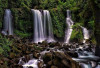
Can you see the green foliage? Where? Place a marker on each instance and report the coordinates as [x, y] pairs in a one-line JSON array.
[[22, 34], [91, 25], [77, 34], [3, 3], [58, 20], [93, 40], [48, 4], [5, 45], [23, 22], [22, 16], [1, 50]]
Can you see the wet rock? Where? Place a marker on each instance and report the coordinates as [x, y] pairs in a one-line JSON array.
[[40, 64], [72, 54], [36, 54], [50, 62], [3, 66], [57, 62], [66, 60], [51, 44], [47, 57], [16, 66], [15, 61], [27, 58], [45, 43], [12, 55], [1, 62], [30, 67], [66, 63], [54, 67], [5, 59]]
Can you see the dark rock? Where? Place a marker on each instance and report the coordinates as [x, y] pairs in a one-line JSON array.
[[72, 54], [54, 67], [50, 62], [12, 55], [66, 63], [36, 54], [40, 64], [47, 57], [27, 58]]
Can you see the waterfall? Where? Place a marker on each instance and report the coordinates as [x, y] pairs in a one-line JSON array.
[[47, 24], [38, 26], [7, 25], [69, 29], [85, 33], [42, 26]]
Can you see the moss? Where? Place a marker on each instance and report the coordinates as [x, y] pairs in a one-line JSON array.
[[23, 21], [58, 20], [22, 34], [1, 50], [77, 34], [5, 45], [3, 3]]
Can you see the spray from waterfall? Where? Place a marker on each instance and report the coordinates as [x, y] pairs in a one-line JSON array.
[[42, 26], [69, 29], [7, 25]]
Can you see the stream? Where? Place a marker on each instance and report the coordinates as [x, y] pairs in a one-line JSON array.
[[86, 56]]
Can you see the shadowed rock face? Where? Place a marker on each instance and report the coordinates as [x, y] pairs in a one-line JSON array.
[[96, 11]]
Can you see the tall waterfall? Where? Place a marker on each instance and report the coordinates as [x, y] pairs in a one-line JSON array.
[[38, 26], [42, 26], [85, 33], [7, 25], [47, 24], [69, 29]]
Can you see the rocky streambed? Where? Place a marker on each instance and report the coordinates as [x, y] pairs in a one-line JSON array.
[[51, 55]]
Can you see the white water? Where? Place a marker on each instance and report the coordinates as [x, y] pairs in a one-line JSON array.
[[47, 24], [87, 59], [42, 26], [85, 33], [7, 25], [38, 26], [84, 65], [69, 29], [32, 63]]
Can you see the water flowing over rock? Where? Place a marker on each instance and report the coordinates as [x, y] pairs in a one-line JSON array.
[[69, 29], [42, 26], [47, 24], [85, 33], [38, 26], [7, 25]]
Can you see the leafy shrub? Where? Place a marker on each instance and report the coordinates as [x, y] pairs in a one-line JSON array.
[[5, 44], [22, 34]]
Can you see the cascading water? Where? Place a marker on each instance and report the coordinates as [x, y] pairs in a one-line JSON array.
[[87, 58], [47, 24], [85, 33], [7, 25], [42, 26], [38, 26], [69, 29]]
